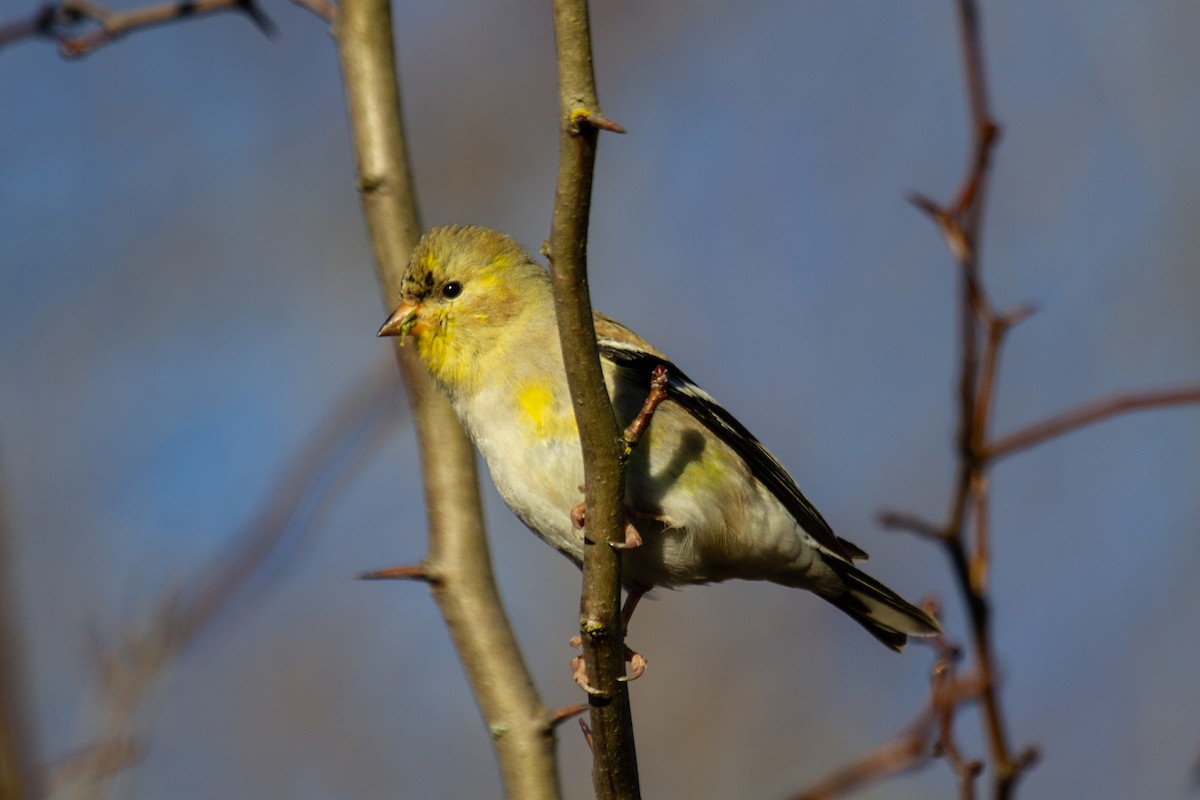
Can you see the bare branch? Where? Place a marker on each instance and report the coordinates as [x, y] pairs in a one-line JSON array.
[[614, 768], [19, 766], [324, 9], [928, 736], [458, 553], [901, 520], [1087, 414], [58, 20], [135, 663]]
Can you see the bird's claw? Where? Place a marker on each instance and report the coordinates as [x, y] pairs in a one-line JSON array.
[[579, 675], [637, 665], [632, 539]]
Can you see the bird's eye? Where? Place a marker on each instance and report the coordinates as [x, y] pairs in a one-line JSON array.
[[452, 290]]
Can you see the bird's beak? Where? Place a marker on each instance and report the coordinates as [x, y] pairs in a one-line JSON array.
[[403, 321]]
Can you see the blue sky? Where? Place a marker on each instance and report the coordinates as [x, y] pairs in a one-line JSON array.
[[185, 292]]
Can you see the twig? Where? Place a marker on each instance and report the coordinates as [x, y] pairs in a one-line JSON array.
[[458, 553], [19, 766], [322, 8], [56, 20], [614, 766], [417, 572], [928, 736], [1089, 413], [565, 713], [960, 224], [93, 763], [133, 665]]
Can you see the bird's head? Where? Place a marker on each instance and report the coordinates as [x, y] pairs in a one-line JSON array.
[[464, 291]]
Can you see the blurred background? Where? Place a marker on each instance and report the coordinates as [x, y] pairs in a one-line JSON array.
[[186, 292]]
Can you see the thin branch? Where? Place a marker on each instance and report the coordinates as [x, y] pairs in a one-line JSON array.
[[1087, 414], [57, 21], [960, 224], [134, 664], [614, 767], [322, 8], [928, 736], [465, 591], [19, 766], [414, 572], [900, 520], [132, 667]]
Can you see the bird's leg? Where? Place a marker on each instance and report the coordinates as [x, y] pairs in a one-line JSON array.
[[658, 393], [633, 433], [579, 518], [637, 662]]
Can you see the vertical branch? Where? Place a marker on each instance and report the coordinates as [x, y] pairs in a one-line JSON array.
[[981, 334], [19, 768], [614, 772], [458, 564]]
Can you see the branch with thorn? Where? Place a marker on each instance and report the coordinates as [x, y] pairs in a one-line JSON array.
[[965, 533]]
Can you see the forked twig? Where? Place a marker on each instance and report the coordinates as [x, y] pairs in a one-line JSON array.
[[57, 21]]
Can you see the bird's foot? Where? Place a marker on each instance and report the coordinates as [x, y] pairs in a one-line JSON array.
[[637, 666], [579, 519]]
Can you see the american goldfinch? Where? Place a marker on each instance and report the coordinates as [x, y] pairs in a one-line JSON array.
[[707, 500]]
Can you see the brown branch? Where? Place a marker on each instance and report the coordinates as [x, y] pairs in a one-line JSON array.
[[614, 767], [138, 659], [322, 8], [1087, 414], [20, 777], [93, 763], [415, 572], [900, 520], [928, 736], [133, 665], [57, 21], [981, 334], [904, 753], [465, 590]]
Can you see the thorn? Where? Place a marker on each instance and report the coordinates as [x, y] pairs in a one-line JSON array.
[[580, 117], [416, 572], [1018, 315], [587, 734], [604, 123], [1028, 757], [561, 715], [927, 205], [258, 17]]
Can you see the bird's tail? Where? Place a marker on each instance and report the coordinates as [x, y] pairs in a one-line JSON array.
[[886, 615]]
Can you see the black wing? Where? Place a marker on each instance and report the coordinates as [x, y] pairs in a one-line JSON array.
[[709, 413]]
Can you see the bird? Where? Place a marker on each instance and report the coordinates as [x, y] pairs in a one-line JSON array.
[[704, 500]]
